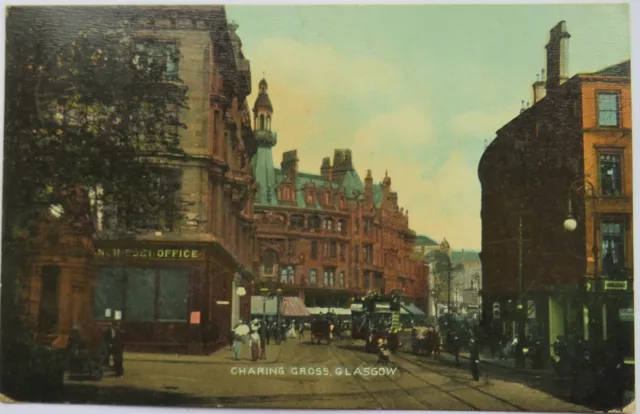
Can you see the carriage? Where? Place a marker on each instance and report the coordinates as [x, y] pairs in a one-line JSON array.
[[424, 339], [321, 330]]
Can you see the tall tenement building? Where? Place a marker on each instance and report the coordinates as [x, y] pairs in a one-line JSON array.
[[328, 236], [173, 289], [557, 207]]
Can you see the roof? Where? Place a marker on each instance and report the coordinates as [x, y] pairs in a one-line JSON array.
[[263, 101], [619, 69], [423, 240], [377, 194], [465, 256], [352, 182], [293, 306]]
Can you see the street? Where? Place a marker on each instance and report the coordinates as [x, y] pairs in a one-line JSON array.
[[299, 374]]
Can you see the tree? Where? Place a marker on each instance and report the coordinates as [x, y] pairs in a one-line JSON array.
[[87, 123]]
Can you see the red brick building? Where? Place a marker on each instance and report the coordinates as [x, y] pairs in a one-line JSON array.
[[174, 289], [329, 235], [569, 154]]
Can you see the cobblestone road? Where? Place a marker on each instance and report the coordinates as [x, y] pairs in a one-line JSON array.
[[303, 375]]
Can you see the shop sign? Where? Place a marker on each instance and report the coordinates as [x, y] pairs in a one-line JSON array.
[[615, 285], [382, 306], [152, 253], [626, 315]]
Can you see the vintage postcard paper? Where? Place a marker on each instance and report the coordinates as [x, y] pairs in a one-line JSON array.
[[423, 207]]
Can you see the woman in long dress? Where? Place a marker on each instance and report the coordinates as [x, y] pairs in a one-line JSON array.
[[255, 346]]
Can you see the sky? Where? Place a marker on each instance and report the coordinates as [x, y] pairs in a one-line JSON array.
[[415, 90]]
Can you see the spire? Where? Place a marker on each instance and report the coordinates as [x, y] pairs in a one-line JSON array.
[[262, 109]]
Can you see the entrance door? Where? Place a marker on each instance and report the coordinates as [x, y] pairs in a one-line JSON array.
[[49, 303]]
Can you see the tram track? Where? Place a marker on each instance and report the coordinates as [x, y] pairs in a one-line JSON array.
[[451, 393]]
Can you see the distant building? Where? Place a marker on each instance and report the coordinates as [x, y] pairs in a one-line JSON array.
[[569, 154], [328, 236], [468, 281]]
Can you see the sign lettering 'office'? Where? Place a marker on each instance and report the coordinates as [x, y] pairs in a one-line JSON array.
[[152, 253]]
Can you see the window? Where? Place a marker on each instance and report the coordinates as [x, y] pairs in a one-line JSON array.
[[341, 280], [367, 280], [610, 174], [269, 259], [290, 275], [325, 250], [342, 251], [339, 226], [329, 224], [314, 222], [314, 249], [291, 247], [334, 248], [608, 109], [140, 295], [325, 224], [297, 221], [262, 122], [108, 293], [613, 249], [283, 275], [174, 291], [329, 277], [313, 277], [158, 55]]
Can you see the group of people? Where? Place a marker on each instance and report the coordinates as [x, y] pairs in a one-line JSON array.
[[259, 333]]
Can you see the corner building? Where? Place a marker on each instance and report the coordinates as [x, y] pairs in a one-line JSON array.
[[175, 289], [571, 150], [324, 237]]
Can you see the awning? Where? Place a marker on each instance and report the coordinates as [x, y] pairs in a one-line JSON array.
[[258, 306], [412, 309], [324, 311], [293, 306]]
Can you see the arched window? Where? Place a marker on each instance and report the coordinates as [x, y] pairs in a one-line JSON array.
[[268, 123], [269, 259], [261, 121]]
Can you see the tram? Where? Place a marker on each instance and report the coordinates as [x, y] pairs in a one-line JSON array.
[[376, 316]]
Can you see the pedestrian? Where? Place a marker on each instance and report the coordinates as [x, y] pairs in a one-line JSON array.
[[383, 352], [268, 331], [301, 331], [262, 331], [255, 345], [240, 330], [474, 356], [118, 349], [107, 340]]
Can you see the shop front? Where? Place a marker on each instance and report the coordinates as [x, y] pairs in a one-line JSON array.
[[168, 298]]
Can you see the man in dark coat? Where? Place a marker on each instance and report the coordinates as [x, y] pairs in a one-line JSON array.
[[115, 347], [262, 331]]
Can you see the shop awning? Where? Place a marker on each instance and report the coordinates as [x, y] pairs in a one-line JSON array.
[[293, 306], [258, 306], [412, 309], [324, 311]]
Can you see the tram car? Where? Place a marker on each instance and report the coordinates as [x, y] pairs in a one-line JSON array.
[[376, 317]]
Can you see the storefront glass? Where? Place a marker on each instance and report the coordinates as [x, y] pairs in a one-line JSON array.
[[141, 294], [108, 293], [174, 291]]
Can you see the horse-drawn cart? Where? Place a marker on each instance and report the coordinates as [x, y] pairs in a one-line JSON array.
[[321, 330], [424, 339]]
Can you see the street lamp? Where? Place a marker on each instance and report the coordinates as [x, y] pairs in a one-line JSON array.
[[279, 333], [570, 224], [264, 292]]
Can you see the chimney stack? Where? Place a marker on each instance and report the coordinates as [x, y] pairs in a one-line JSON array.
[[539, 90], [325, 169], [557, 56]]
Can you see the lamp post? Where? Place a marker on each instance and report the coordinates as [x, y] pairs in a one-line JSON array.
[[279, 333], [264, 292], [570, 224]]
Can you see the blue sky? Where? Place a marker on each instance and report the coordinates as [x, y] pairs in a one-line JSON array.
[[414, 89]]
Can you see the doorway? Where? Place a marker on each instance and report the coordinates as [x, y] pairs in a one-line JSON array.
[[49, 300]]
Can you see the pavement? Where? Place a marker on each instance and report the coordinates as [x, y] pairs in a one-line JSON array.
[[485, 357], [222, 356], [299, 374], [5, 400]]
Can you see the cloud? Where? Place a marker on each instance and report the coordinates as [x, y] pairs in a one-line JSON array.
[[480, 124], [325, 100]]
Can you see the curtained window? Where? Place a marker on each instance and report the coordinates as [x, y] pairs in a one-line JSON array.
[[612, 248], [610, 175], [313, 277]]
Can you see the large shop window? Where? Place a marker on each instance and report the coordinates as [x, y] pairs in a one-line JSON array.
[[173, 295], [108, 296], [140, 296]]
